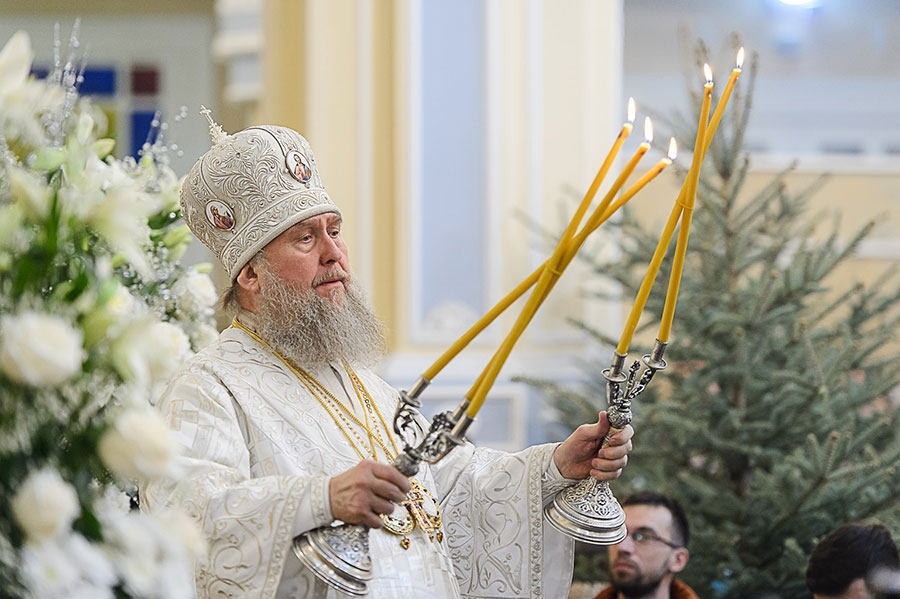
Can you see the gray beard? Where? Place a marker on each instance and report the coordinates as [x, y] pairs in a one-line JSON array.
[[313, 331]]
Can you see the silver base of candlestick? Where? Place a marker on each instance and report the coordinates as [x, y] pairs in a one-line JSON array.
[[589, 511], [338, 555]]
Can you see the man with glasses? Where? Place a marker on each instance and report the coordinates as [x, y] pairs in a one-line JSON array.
[[644, 564]]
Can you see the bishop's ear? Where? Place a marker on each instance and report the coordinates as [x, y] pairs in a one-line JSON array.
[[248, 282]]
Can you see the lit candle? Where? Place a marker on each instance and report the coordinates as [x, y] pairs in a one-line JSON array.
[[550, 274], [531, 279], [693, 177], [649, 277], [482, 323], [723, 101], [643, 181], [602, 207], [653, 269]]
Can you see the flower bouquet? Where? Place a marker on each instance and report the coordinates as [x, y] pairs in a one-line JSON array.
[[95, 313]]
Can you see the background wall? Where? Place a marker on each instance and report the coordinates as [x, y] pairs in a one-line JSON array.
[[450, 131], [170, 39]]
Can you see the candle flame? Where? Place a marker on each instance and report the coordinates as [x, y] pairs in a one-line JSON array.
[[708, 72], [740, 58], [648, 130], [673, 148], [631, 110]]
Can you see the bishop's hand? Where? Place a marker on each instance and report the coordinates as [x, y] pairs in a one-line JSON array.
[[584, 454], [361, 494]]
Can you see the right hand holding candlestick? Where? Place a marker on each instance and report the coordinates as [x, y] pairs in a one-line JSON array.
[[588, 452]]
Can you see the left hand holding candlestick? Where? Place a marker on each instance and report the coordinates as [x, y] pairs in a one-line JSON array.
[[585, 453]]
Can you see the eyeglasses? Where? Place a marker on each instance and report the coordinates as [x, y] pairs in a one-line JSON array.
[[642, 537]]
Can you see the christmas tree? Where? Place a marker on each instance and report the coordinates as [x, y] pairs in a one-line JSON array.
[[772, 422]]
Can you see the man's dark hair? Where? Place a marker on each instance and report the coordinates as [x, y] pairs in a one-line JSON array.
[[682, 530], [849, 552]]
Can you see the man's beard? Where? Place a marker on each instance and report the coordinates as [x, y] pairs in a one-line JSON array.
[[313, 331], [637, 584]]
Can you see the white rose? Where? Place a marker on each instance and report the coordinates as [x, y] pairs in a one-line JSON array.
[[196, 293], [149, 351], [47, 570], [45, 505], [39, 349], [120, 308], [121, 216], [171, 345], [138, 554], [138, 445], [94, 565]]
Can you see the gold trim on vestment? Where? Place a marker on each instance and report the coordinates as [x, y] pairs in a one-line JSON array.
[[418, 496]]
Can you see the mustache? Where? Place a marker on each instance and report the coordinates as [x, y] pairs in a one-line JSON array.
[[624, 560], [335, 274]]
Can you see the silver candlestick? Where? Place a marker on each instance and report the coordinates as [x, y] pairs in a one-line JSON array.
[[339, 554], [588, 511]]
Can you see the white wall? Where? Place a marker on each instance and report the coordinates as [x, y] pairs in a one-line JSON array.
[[829, 81], [179, 45]]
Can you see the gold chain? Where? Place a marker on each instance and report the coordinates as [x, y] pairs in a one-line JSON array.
[[362, 394], [418, 495], [320, 392]]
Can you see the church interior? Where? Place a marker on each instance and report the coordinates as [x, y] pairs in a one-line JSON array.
[[458, 138]]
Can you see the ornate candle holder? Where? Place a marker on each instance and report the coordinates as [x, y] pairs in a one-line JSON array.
[[339, 554], [588, 511]]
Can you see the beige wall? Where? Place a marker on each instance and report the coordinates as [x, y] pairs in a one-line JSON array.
[[109, 7]]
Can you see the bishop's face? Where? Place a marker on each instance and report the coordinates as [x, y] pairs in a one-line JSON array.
[[308, 307], [311, 255]]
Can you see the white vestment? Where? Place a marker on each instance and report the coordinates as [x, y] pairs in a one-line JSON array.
[[258, 453]]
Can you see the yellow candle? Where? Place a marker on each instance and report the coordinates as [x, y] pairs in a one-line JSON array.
[[649, 277], [623, 199], [632, 191], [531, 279], [482, 323], [693, 177], [723, 101], [549, 275], [623, 176]]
